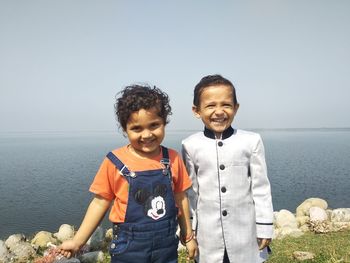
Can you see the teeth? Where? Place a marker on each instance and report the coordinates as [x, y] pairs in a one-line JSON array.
[[148, 142], [219, 120]]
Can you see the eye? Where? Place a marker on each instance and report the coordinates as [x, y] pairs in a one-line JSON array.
[[155, 125], [135, 128], [209, 106]]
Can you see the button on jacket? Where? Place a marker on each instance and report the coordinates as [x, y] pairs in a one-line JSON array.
[[230, 198]]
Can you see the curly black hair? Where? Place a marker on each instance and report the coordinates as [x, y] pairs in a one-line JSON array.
[[136, 97]]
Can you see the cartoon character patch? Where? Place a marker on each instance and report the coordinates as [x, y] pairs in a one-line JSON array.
[[153, 203]]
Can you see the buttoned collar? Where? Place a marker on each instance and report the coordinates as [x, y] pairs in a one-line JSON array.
[[226, 133]]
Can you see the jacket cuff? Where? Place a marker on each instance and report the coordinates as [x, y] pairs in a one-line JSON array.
[[264, 230]]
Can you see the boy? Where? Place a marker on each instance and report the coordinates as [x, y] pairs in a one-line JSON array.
[[146, 183], [230, 196]]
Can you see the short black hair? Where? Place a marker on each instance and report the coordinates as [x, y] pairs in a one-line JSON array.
[[136, 97], [211, 80]]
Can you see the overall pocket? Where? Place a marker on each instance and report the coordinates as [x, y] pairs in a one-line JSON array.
[[119, 245]]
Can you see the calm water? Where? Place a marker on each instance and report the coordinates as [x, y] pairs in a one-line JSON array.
[[44, 178]]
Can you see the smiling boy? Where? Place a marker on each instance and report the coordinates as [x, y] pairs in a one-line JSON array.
[[230, 196]]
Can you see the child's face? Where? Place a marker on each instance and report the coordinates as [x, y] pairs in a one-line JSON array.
[[145, 130], [216, 108]]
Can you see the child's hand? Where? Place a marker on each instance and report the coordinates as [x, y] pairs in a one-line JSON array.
[[192, 248], [263, 242], [68, 248]]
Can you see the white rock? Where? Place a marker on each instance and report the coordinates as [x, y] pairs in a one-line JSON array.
[[303, 255], [286, 219], [305, 228], [23, 251], [13, 240], [65, 232], [288, 231], [302, 220], [318, 214], [341, 215], [340, 226], [304, 207], [42, 238], [4, 253]]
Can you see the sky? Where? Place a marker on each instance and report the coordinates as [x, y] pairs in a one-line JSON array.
[[63, 62]]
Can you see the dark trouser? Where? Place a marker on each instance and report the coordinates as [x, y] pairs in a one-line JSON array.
[[226, 259], [156, 243]]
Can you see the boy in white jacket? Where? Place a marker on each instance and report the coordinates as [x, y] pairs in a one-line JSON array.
[[231, 197]]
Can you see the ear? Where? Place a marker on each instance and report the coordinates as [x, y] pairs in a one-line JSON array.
[[160, 189], [195, 111], [141, 195], [236, 107]]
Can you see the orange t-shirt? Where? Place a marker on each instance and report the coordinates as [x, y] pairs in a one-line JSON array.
[[110, 184]]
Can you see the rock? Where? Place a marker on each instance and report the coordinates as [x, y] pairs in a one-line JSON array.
[[65, 232], [341, 215], [286, 225], [96, 240], [92, 257], [42, 238], [305, 228], [302, 255], [285, 219], [12, 240], [23, 251], [320, 227], [288, 231], [109, 235], [4, 253], [302, 220], [340, 226], [317, 214], [68, 260], [304, 207]]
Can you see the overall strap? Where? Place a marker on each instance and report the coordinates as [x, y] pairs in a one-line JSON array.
[[166, 161], [123, 169]]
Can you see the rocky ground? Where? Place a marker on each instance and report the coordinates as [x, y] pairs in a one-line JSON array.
[[311, 215]]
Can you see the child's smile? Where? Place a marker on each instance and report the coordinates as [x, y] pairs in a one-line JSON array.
[[216, 108], [145, 130]]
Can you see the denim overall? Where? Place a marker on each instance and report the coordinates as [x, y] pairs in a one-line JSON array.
[[149, 231]]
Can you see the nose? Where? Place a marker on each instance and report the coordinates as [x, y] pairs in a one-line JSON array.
[[146, 134], [219, 111]]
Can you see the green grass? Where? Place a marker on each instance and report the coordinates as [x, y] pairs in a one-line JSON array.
[[330, 248]]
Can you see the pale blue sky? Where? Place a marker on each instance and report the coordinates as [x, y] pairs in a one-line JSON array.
[[62, 62]]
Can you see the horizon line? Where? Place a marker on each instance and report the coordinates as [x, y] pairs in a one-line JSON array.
[[176, 130]]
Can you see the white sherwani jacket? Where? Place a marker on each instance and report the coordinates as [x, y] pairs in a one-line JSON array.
[[230, 198]]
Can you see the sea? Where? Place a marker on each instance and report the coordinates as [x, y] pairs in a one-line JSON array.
[[45, 176]]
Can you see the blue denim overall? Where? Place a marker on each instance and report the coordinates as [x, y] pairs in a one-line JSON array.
[[148, 234]]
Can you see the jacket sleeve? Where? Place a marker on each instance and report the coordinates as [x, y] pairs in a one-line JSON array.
[[261, 191], [192, 192]]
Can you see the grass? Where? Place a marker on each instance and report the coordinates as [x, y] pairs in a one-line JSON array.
[[328, 248]]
